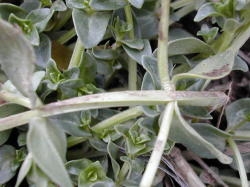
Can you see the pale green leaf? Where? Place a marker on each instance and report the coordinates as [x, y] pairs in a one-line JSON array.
[[136, 3], [182, 132], [47, 144], [107, 4], [90, 28], [17, 58]]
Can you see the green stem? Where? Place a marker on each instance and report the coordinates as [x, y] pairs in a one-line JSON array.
[[72, 141], [77, 54], [162, 53], [67, 36], [126, 115], [132, 65], [115, 99], [239, 162], [13, 98], [242, 135], [159, 146]]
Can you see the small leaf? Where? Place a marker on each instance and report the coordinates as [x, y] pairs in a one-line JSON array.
[[14, 47], [138, 54], [107, 4], [214, 67], [79, 4], [43, 51], [90, 28], [7, 158], [104, 54], [70, 123], [134, 44], [238, 115], [182, 132], [6, 9], [25, 168], [47, 144], [206, 10], [240, 64], [136, 3], [188, 45], [113, 150]]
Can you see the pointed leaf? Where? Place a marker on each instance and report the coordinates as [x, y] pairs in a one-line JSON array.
[[214, 67], [17, 58], [90, 28], [107, 4], [136, 3], [47, 144], [182, 132]]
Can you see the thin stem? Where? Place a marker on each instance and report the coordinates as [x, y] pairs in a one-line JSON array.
[[76, 56], [132, 65], [162, 53], [115, 99], [159, 146], [72, 141], [239, 162], [118, 118], [67, 36], [13, 98], [242, 135]]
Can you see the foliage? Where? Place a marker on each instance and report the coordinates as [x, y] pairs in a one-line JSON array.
[[70, 114]]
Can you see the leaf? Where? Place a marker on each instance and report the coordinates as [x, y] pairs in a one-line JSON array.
[[206, 10], [4, 136], [138, 54], [104, 54], [7, 158], [43, 51], [79, 4], [189, 45], [90, 28], [25, 168], [113, 150], [59, 5], [27, 27], [47, 144], [214, 67], [70, 123], [14, 47], [136, 3], [238, 115], [134, 44], [240, 64], [182, 132], [107, 4], [6, 9]]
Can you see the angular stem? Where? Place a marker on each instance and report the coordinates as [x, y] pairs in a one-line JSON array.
[[132, 65], [76, 56], [159, 146]]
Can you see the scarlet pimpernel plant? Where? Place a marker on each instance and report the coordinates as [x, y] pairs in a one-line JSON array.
[[118, 93]]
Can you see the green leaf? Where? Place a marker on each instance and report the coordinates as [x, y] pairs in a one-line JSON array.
[[40, 18], [107, 4], [14, 47], [74, 167], [59, 5], [182, 132], [7, 158], [134, 44], [44, 137], [43, 51], [94, 175], [90, 28], [6, 9], [136, 3], [104, 54], [4, 136], [238, 115], [27, 27], [25, 168], [240, 64], [214, 67], [30, 5], [138, 54], [196, 112], [113, 151], [79, 4], [207, 33], [188, 45], [206, 10], [71, 123]]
